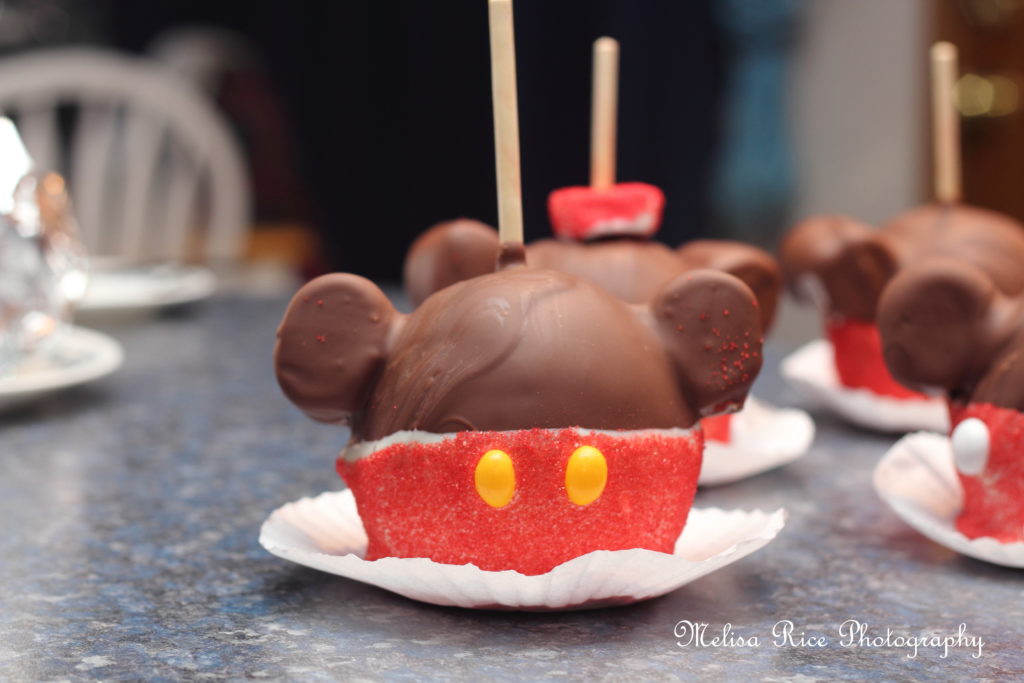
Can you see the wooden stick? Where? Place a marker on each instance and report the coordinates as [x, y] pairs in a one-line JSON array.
[[506, 122], [945, 123], [604, 102]]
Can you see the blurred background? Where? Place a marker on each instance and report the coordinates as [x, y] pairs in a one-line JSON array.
[[361, 124]]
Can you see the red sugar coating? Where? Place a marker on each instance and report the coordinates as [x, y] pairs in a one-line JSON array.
[[994, 499], [579, 212], [859, 361], [717, 428], [420, 500]]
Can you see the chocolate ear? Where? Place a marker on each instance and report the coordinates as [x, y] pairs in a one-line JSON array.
[[812, 244], [934, 318], [755, 267], [849, 259], [1003, 385], [710, 325], [448, 253], [857, 277], [331, 345]]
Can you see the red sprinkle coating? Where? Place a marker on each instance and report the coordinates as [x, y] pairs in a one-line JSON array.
[[858, 358], [584, 213], [420, 500], [994, 499], [717, 428]]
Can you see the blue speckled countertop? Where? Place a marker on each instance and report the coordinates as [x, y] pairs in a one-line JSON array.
[[130, 511]]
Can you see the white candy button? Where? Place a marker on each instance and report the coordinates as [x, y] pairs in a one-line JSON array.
[[970, 446]]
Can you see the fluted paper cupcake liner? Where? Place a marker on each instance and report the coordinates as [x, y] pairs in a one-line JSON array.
[[811, 369], [326, 533], [917, 478], [763, 437]]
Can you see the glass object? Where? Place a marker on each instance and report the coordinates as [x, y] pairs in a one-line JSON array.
[[43, 267]]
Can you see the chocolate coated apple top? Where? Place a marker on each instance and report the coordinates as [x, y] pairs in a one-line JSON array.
[[518, 349], [632, 269]]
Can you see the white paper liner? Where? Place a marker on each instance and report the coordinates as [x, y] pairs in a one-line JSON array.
[[326, 533], [763, 437], [811, 369], [918, 480]]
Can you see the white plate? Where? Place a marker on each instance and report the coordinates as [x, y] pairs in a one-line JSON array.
[[918, 480], [77, 357], [146, 288], [326, 533], [811, 369], [763, 437]]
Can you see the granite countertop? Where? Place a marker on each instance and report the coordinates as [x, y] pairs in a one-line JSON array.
[[131, 510]]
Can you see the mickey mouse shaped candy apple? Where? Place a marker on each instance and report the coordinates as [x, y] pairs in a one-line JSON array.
[[946, 326]]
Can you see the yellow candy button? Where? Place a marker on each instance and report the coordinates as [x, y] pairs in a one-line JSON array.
[[585, 475], [495, 478]]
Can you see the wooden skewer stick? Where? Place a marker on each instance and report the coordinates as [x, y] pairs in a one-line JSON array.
[[603, 106], [506, 122], [945, 123]]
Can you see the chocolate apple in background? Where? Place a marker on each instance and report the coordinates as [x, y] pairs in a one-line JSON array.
[[603, 230], [946, 325], [844, 266], [631, 269]]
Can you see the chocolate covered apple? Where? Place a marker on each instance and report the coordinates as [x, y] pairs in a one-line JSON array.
[[522, 418], [845, 266], [946, 325]]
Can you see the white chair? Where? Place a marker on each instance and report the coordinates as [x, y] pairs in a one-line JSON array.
[[153, 170], [202, 54]]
